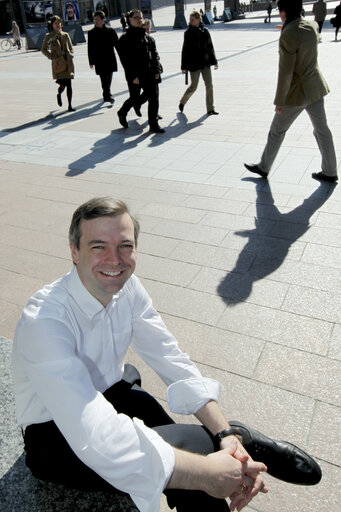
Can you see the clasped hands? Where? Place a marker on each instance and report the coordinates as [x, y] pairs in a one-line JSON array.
[[240, 470]]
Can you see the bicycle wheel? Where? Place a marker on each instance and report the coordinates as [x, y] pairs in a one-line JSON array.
[[6, 45]]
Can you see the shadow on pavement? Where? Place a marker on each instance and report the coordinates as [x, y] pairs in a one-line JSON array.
[[270, 241], [118, 142]]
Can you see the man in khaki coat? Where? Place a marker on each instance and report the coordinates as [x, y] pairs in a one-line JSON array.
[[300, 86]]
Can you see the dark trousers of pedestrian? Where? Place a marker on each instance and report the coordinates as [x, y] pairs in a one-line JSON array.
[[320, 24], [106, 79], [51, 459], [150, 93]]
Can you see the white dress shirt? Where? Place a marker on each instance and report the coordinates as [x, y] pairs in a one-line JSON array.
[[68, 349]]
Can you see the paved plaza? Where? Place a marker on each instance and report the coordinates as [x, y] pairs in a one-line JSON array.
[[246, 273]]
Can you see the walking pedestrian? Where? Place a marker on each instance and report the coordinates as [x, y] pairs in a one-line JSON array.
[[123, 22], [57, 47], [300, 86], [320, 13], [337, 19], [141, 62], [197, 57], [269, 10], [102, 41]]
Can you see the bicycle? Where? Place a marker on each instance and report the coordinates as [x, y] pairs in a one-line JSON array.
[[8, 43]]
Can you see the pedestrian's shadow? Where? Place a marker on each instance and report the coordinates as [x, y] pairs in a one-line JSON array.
[[176, 128], [84, 113], [270, 241], [123, 140], [106, 148]]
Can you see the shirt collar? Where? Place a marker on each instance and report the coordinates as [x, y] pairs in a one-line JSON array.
[[85, 301]]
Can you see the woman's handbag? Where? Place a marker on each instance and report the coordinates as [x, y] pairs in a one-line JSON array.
[[59, 64]]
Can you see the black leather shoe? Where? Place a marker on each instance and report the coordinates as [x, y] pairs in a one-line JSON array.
[[254, 168], [212, 113], [284, 460], [159, 117], [156, 129], [320, 176], [122, 119], [181, 107], [59, 99]]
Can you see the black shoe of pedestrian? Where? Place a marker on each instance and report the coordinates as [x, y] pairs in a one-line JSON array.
[[212, 113], [254, 168], [158, 117], [320, 176], [138, 111], [109, 99], [156, 129], [284, 460], [181, 107], [59, 99], [71, 109], [122, 119]]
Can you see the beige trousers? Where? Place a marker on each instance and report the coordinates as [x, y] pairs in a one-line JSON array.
[[207, 77]]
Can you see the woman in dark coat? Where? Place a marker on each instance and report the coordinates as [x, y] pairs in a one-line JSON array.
[[101, 43], [58, 44], [337, 20], [197, 57]]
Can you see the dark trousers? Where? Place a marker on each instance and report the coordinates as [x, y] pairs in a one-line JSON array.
[[320, 24], [150, 93], [50, 458], [106, 79]]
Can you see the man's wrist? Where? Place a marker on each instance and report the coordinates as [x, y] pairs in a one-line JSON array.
[[226, 433]]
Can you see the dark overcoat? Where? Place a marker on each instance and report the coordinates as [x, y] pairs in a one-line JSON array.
[[101, 49], [197, 50], [138, 54]]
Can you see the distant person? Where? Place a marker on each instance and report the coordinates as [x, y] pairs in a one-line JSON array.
[[269, 10], [337, 21], [123, 22], [300, 86], [57, 47], [141, 62], [197, 57], [102, 41], [320, 13], [16, 34], [215, 13]]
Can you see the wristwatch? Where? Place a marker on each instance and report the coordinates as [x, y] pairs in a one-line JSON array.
[[227, 432]]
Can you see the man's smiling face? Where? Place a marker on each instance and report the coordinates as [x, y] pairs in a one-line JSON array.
[[106, 257]]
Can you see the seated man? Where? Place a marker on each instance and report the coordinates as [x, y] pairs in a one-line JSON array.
[[86, 421]]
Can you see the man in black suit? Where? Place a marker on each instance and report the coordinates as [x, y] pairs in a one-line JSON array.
[[101, 43]]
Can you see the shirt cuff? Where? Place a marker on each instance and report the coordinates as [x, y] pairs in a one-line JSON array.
[[188, 396]]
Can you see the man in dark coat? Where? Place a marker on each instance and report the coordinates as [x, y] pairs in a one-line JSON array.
[[197, 57], [101, 43], [141, 62]]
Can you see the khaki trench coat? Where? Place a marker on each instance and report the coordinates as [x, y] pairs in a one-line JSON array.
[[300, 81], [53, 46]]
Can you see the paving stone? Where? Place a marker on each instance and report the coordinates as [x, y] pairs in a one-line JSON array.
[[323, 255], [156, 245], [277, 326], [324, 438], [165, 270], [191, 232], [301, 372], [335, 343], [325, 305], [214, 257], [185, 303]]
